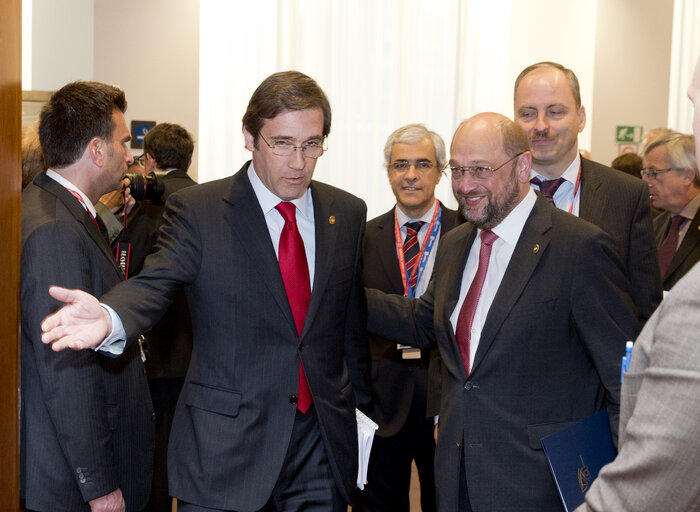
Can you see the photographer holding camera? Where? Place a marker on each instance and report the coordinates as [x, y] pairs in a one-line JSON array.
[[167, 154]]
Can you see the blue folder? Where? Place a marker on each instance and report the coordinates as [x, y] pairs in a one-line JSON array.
[[576, 454]]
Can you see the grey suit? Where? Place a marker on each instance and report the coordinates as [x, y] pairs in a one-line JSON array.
[[688, 253], [87, 424], [619, 205], [657, 466], [234, 419], [549, 355]]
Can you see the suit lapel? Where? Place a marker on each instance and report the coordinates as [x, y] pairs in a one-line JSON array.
[[81, 216], [247, 223], [386, 241], [531, 245], [690, 240], [593, 203]]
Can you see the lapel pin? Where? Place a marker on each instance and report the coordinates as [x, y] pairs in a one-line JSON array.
[[331, 220], [536, 248]]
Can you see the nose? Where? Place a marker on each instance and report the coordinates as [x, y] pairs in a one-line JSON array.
[[129, 156], [541, 124], [411, 173], [296, 159], [465, 184]]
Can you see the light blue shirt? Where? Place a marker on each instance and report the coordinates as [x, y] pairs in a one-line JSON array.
[[564, 196]]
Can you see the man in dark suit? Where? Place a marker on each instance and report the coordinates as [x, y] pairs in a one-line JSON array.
[[401, 262], [167, 151], [529, 308], [548, 107], [671, 171], [266, 418], [87, 429]]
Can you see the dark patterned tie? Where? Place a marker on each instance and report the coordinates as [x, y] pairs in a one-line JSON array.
[[548, 187], [668, 247], [411, 248], [471, 301], [295, 274]]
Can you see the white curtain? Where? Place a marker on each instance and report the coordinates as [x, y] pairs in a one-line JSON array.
[[382, 64], [684, 53]]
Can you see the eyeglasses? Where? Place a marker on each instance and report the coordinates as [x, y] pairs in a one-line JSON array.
[[653, 173], [141, 159], [480, 172], [420, 165], [312, 148]]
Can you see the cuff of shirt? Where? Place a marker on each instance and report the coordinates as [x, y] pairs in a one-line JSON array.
[[114, 343]]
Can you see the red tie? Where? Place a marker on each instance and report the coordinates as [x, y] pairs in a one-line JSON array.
[[668, 247], [411, 249], [295, 274], [471, 301], [548, 187]]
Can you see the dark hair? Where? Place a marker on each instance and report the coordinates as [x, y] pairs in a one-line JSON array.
[[630, 163], [75, 114], [170, 145], [570, 77], [284, 91]]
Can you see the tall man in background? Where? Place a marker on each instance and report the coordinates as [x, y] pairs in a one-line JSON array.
[[271, 265], [548, 107], [399, 251], [87, 428]]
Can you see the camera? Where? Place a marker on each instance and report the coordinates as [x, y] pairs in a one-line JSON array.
[[149, 186]]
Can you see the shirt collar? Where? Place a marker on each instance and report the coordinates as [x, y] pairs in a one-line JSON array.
[[570, 174], [70, 186], [691, 208], [511, 227], [268, 200], [402, 218]]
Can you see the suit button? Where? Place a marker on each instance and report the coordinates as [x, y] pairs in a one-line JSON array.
[[153, 416], [301, 347], [82, 479], [468, 386], [293, 399]]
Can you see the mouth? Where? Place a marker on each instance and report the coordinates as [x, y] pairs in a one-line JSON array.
[[472, 201], [411, 189]]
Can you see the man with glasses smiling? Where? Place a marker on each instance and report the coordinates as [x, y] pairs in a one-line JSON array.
[[672, 174], [271, 266], [399, 251], [530, 309]]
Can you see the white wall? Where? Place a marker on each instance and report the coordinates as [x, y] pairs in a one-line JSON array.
[[151, 50]]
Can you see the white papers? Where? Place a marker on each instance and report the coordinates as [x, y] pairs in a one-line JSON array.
[[365, 436]]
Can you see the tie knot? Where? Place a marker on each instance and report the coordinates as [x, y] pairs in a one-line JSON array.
[[547, 187], [414, 226], [488, 237], [676, 221], [287, 210]]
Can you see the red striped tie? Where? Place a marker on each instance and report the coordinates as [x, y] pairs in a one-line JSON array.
[[411, 248]]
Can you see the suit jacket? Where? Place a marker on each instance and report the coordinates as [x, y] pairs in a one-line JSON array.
[[393, 378], [657, 465], [619, 205], [549, 354], [170, 340], [87, 424], [235, 414], [688, 253]]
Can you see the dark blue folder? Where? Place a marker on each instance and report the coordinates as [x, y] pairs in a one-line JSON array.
[[575, 455]]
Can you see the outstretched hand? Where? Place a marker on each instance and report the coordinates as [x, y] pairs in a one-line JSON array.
[[81, 323]]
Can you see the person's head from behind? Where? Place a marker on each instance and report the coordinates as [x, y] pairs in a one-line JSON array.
[[547, 105], [32, 156], [285, 126], [414, 158], [671, 171], [85, 121], [490, 164], [168, 146], [629, 163]]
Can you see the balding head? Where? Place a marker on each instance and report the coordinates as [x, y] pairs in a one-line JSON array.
[[481, 144]]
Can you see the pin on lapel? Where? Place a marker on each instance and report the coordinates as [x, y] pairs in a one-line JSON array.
[[331, 219], [536, 248]]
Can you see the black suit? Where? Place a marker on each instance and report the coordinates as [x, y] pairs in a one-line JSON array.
[[688, 252], [237, 409], [548, 355], [87, 425], [401, 386], [619, 205]]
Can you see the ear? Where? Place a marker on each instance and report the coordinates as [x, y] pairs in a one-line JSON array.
[[688, 176], [523, 167], [97, 148], [249, 140], [581, 118]]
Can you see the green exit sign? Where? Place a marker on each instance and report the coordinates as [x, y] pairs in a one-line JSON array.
[[631, 134]]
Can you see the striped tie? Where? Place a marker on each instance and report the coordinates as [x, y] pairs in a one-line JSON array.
[[411, 248]]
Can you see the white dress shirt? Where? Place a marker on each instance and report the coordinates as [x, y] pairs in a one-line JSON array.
[[564, 195], [508, 232], [67, 184]]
